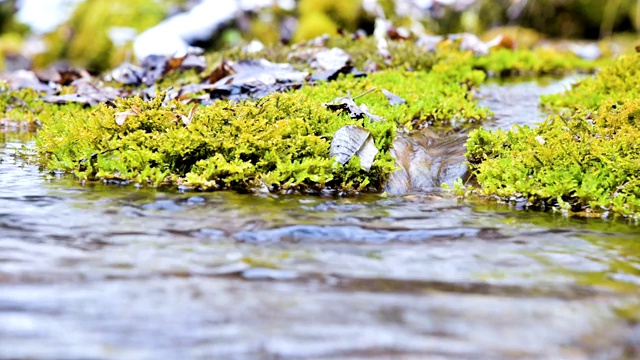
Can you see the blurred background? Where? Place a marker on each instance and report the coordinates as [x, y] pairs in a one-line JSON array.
[[100, 34]]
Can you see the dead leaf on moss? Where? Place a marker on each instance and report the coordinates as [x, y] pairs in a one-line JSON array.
[[348, 105], [126, 74], [86, 93], [350, 141], [187, 119], [123, 115], [393, 98], [256, 79]]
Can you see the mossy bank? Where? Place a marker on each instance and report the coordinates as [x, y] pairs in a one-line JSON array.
[[586, 160], [280, 142]]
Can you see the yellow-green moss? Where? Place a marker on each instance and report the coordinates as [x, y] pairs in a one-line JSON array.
[[19, 106], [405, 54], [281, 142], [618, 82], [439, 98], [538, 61], [590, 161]]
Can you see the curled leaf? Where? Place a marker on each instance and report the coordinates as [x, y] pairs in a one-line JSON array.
[[123, 115], [187, 119], [350, 141]]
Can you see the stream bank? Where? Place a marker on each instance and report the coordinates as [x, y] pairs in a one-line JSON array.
[[127, 272]]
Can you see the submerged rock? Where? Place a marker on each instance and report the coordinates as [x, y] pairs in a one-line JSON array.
[[425, 163]]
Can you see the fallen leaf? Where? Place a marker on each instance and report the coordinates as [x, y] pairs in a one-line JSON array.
[[187, 119], [393, 98], [350, 141], [123, 115], [347, 104]]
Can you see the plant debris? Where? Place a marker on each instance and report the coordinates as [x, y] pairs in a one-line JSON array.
[[393, 98], [256, 79], [350, 141]]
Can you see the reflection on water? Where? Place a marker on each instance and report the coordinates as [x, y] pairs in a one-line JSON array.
[[517, 102], [103, 271]]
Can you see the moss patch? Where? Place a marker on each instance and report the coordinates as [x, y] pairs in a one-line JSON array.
[[585, 160], [538, 61], [589, 162], [281, 141], [618, 82]]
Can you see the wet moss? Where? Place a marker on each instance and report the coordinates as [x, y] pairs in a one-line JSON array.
[[585, 160], [439, 99], [618, 82], [588, 162], [281, 142], [19, 106]]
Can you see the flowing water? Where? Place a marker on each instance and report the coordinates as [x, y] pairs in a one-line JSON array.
[[108, 271]]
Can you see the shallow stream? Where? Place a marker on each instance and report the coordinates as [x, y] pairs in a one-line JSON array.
[[108, 271]]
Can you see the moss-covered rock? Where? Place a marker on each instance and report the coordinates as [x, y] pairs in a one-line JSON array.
[[281, 142], [618, 82], [588, 162]]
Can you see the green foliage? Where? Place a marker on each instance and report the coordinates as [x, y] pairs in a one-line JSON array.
[[618, 82], [589, 161], [19, 106], [281, 142], [318, 17], [537, 61], [437, 98]]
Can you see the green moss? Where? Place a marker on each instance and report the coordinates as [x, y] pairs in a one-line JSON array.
[[363, 51], [281, 142], [439, 98], [590, 161], [19, 106], [539, 61], [407, 56], [585, 160], [618, 82]]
